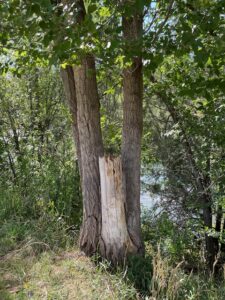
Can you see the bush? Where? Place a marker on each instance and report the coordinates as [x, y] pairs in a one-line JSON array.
[[176, 243], [139, 272]]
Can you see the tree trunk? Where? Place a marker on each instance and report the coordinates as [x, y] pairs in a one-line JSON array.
[[132, 129], [116, 243], [82, 90], [91, 147], [67, 76], [212, 242], [94, 232]]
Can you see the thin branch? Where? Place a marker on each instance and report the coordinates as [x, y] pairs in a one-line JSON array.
[[152, 21], [169, 10]]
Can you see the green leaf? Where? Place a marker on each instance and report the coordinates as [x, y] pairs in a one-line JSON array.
[[35, 8]]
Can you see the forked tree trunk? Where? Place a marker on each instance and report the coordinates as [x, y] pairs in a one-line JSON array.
[[132, 129], [115, 240], [114, 237], [91, 147]]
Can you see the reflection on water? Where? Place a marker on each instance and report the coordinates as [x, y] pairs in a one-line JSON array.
[[148, 200]]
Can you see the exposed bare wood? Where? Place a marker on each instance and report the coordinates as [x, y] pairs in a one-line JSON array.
[[116, 243]]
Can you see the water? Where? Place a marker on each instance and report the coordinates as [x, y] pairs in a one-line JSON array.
[[147, 200]]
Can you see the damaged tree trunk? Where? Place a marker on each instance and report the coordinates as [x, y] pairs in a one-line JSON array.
[[107, 226], [115, 240]]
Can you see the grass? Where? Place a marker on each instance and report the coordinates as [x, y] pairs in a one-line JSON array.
[[39, 260], [175, 283], [39, 263], [66, 275]]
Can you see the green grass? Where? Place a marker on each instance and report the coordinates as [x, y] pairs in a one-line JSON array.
[[39, 260], [66, 275]]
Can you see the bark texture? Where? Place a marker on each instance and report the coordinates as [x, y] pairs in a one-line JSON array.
[[67, 76], [116, 243], [115, 234], [91, 147], [81, 89], [132, 128]]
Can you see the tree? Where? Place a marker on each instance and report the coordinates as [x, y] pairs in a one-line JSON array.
[[91, 149], [38, 169], [83, 35], [190, 147], [133, 119]]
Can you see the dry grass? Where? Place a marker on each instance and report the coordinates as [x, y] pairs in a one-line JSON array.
[[165, 279], [67, 275], [34, 271], [172, 283]]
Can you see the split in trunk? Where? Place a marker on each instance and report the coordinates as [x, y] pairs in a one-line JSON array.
[[125, 233]]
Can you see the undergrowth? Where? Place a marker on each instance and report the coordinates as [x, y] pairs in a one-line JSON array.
[[39, 259]]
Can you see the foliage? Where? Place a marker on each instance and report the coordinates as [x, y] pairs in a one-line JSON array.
[[111, 112], [174, 242], [50, 31], [183, 64], [171, 282], [48, 232], [37, 154], [139, 272], [187, 138]]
